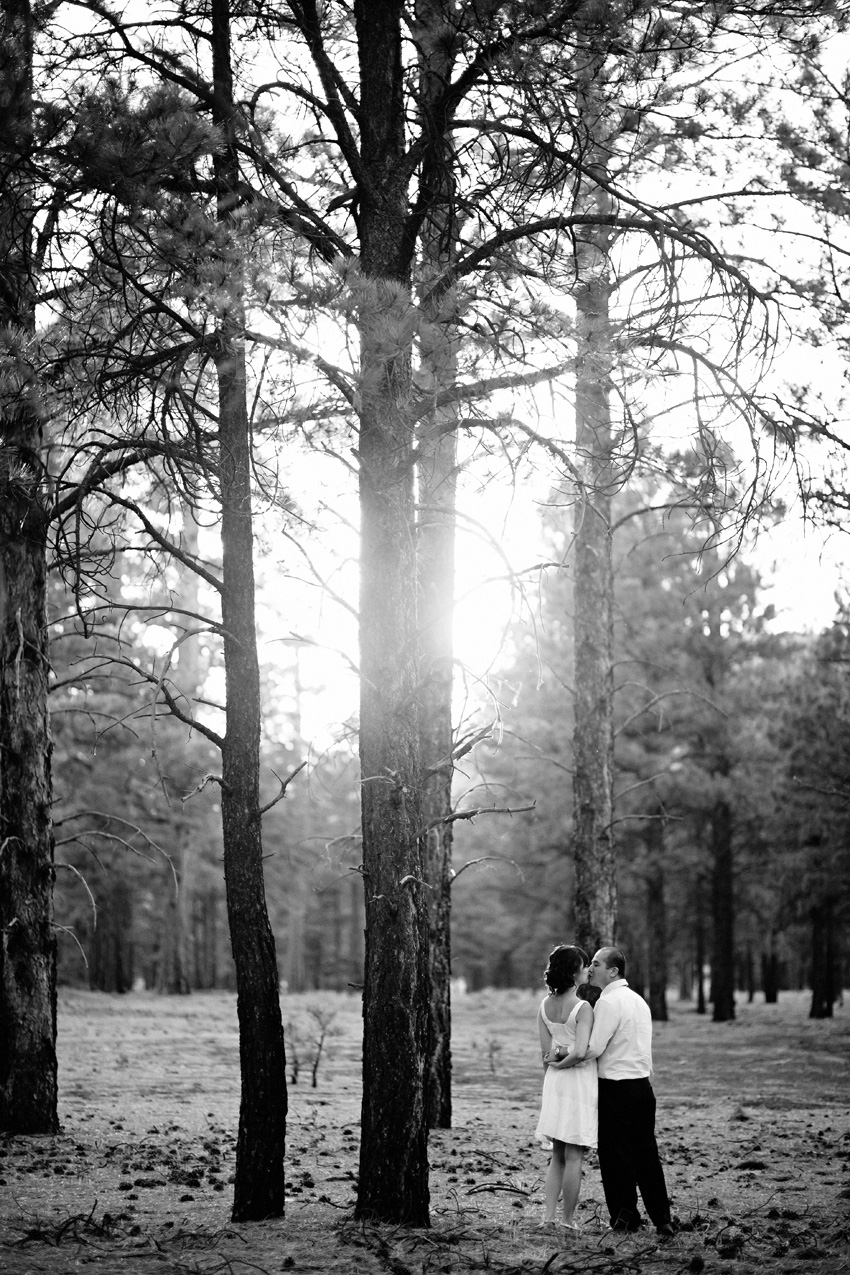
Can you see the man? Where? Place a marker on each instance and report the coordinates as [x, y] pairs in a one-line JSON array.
[[621, 1041]]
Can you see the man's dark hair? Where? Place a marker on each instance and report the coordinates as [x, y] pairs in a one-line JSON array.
[[615, 956]]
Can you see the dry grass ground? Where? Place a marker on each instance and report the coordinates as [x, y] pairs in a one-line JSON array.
[[754, 1125]]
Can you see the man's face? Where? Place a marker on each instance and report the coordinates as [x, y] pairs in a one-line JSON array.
[[600, 974]]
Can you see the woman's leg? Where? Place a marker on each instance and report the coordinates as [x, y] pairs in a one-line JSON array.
[[571, 1180], [554, 1181]]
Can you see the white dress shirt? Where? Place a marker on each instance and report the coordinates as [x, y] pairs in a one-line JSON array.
[[621, 1038]]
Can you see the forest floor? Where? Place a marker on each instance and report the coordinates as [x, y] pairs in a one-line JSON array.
[[753, 1124]]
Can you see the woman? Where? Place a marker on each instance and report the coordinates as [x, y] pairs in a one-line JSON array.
[[568, 1114]]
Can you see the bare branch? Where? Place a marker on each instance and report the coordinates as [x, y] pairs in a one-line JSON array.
[[284, 784], [70, 868], [207, 779], [472, 815], [66, 929], [487, 858]]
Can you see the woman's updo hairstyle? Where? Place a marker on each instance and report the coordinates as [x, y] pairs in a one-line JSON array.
[[564, 963]]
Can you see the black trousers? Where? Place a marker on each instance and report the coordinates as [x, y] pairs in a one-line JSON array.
[[628, 1153]]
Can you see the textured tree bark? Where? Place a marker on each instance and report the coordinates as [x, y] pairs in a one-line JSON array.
[[435, 547], [393, 1183], [28, 1086], [259, 1186], [722, 914], [593, 580], [593, 605]]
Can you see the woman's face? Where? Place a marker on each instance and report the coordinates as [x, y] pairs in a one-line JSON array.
[[582, 975]]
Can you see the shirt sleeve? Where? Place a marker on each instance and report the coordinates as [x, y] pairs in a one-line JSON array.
[[605, 1019]]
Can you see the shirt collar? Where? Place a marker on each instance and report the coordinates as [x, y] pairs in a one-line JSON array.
[[618, 982]]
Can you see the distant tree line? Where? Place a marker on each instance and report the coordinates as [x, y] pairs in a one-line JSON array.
[[731, 800]]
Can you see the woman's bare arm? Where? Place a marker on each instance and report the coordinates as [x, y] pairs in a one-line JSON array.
[[545, 1037]]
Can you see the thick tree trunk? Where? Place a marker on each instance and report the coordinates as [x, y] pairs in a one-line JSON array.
[[28, 1087], [259, 1187], [593, 580], [722, 914], [824, 989], [435, 548], [393, 1184], [593, 604]]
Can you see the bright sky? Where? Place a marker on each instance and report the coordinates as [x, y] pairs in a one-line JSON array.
[[804, 565]]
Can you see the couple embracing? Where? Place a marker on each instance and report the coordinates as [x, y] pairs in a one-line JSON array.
[[596, 1089]]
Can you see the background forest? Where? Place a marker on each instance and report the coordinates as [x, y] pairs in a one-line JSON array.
[[397, 399], [731, 796]]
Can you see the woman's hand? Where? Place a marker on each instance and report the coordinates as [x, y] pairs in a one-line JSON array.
[[570, 1060]]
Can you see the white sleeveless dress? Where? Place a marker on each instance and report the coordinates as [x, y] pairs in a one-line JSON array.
[[569, 1108]]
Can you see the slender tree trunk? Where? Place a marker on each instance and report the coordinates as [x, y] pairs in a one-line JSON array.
[[28, 1087], [205, 936], [298, 893], [355, 942], [296, 915], [770, 972], [172, 967], [259, 1186], [824, 988], [751, 975], [393, 1184], [722, 914], [435, 545], [656, 914], [699, 953], [173, 974], [686, 980], [111, 968]]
